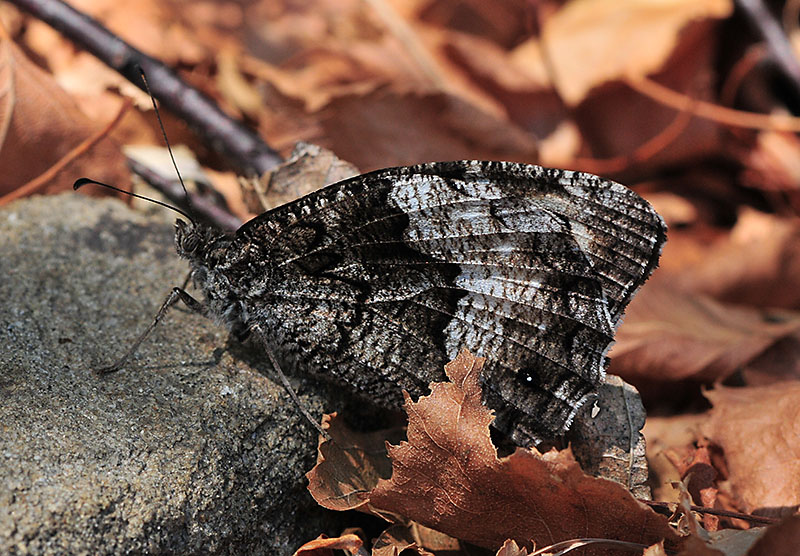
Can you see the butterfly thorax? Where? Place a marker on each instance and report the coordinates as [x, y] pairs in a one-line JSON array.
[[207, 249]]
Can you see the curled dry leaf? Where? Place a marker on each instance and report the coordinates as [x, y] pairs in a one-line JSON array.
[[395, 540], [349, 466], [759, 430], [448, 477], [669, 336], [669, 440], [510, 548], [701, 482], [655, 550], [40, 125], [309, 168], [323, 546]]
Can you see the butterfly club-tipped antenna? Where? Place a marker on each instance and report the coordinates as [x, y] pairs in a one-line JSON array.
[[180, 293], [176, 293]]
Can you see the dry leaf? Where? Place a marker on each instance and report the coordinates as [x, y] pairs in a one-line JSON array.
[[695, 546], [759, 430], [701, 482], [591, 42], [432, 539], [448, 477], [510, 548], [349, 466], [309, 168], [759, 263], [323, 546], [606, 437], [668, 335], [384, 129], [655, 550], [782, 539], [735, 542], [669, 440], [774, 165], [395, 540], [40, 125]]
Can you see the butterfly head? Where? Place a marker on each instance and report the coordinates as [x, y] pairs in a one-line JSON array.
[[196, 242]]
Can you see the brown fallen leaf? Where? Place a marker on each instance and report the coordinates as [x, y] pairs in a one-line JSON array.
[[309, 168], [349, 466], [655, 550], [758, 264], [384, 128], [595, 41], [323, 546], [669, 440], [606, 437], [431, 539], [41, 128], [759, 430], [510, 548], [448, 477], [700, 477], [735, 542], [395, 540], [773, 165], [782, 539], [695, 546], [669, 336]]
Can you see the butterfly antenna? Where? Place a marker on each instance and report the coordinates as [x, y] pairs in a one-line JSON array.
[[85, 181], [166, 140]]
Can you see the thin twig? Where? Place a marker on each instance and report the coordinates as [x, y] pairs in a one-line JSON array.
[[770, 30], [713, 112], [245, 150], [761, 520]]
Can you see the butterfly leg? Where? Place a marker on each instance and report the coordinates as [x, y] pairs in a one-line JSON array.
[[172, 298], [285, 381]]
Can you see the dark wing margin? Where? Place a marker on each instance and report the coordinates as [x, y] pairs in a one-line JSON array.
[[379, 280]]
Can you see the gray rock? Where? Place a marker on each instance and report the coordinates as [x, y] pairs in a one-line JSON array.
[[188, 450]]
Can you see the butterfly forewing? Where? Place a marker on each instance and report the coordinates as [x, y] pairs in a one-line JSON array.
[[379, 280]]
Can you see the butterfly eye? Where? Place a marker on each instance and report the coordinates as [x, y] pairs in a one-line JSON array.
[[191, 243]]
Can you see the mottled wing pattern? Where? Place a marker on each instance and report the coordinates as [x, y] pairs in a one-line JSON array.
[[379, 280]]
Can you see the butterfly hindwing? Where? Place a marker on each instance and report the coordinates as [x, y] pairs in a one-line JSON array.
[[379, 280]]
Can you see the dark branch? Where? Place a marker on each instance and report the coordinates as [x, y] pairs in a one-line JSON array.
[[245, 150], [771, 32], [202, 206]]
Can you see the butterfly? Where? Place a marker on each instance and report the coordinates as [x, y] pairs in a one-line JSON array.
[[379, 280]]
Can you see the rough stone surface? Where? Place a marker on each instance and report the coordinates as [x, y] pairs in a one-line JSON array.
[[188, 450]]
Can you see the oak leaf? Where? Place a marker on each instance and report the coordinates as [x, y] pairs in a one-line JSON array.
[[448, 477]]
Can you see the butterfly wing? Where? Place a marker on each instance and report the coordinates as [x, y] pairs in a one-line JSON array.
[[379, 280]]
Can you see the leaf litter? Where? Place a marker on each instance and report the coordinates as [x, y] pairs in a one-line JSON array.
[[671, 105]]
